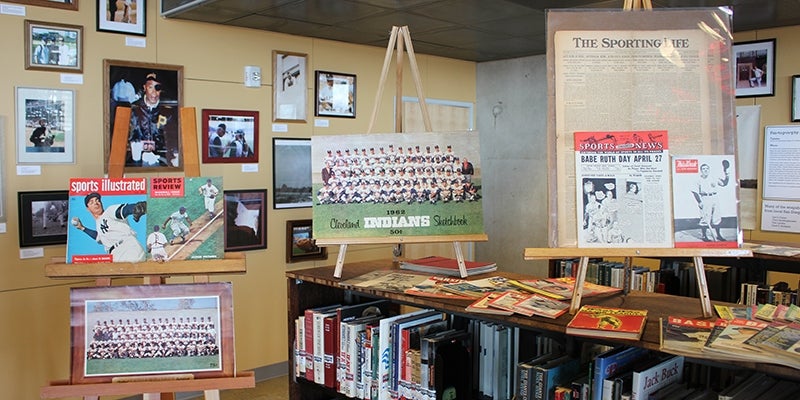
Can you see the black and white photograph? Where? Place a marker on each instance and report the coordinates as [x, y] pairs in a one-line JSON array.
[[291, 162], [45, 125], [335, 94], [42, 217], [289, 86], [53, 47], [122, 16], [245, 219], [755, 68]]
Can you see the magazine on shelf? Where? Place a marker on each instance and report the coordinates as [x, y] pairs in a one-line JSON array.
[[387, 280], [685, 336], [607, 322], [535, 304], [561, 288], [446, 266], [432, 287], [482, 305]]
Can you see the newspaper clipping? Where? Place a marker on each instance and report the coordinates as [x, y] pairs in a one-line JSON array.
[[623, 180]]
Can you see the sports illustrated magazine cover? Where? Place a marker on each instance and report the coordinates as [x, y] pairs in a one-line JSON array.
[[409, 184], [107, 220], [186, 219]]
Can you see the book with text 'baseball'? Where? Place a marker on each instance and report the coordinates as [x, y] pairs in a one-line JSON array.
[[608, 322], [108, 220], [685, 336], [187, 219], [446, 266]]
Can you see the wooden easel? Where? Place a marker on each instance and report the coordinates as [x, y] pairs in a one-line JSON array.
[[401, 37], [154, 273]]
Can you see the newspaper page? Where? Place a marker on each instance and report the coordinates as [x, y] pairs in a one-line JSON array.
[[636, 80], [706, 201], [623, 197]]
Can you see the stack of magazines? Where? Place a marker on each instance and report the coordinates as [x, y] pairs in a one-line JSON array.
[[446, 266]]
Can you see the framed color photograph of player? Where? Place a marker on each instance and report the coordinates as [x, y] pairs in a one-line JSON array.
[[53, 47], [154, 93], [335, 95], [230, 136], [62, 4], [289, 73], [755, 68], [45, 125], [42, 217], [245, 219], [127, 17], [291, 169], [114, 331], [300, 245]]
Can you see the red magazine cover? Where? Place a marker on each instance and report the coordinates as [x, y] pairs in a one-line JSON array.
[[619, 323]]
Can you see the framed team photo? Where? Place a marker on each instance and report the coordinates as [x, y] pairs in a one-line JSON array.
[[245, 219], [123, 16], [335, 94], [45, 125], [289, 73], [230, 136], [114, 331], [300, 245], [53, 47], [42, 217], [153, 92], [62, 4], [291, 170], [755, 68]]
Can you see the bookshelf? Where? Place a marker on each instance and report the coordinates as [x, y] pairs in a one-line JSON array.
[[307, 288]]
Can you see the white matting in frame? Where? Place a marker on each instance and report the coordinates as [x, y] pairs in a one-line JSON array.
[[45, 126]]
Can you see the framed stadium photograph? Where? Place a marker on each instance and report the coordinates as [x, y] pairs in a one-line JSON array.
[[126, 17], [289, 77], [53, 47], [42, 217], [300, 244], [45, 125], [245, 219], [62, 4], [335, 94], [123, 333], [291, 170], [230, 136]]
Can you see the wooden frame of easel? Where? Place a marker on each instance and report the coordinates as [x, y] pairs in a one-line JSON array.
[[154, 273], [401, 37]]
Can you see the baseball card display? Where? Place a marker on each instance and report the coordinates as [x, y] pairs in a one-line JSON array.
[[107, 220]]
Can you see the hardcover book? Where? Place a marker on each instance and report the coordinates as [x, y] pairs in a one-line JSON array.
[[649, 380], [606, 364], [108, 220], [606, 322]]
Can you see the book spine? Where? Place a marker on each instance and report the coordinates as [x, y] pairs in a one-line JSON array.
[[330, 350], [309, 344], [299, 347], [539, 383]]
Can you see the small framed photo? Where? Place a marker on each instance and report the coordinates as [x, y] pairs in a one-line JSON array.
[[300, 244], [42, 217], [62, 4], [230, 136], [291, 173], [795, 98], [53, 47], [755, 68], [154, 92], [335, 95], [126, 17], [245, 219], [289, 84], [124, 332], [45, 125]]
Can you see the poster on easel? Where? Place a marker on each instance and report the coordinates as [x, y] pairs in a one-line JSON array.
[[396, 185]]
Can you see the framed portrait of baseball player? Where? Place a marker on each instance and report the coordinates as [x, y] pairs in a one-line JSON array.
[[231, 136], [154, 94], [42, 217], [45, 125], [289, 75], [126, 17], [300, 244], [245, 219]]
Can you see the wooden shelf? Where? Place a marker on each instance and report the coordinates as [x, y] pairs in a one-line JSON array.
[[244, 379], [573, 252], [233, 263]]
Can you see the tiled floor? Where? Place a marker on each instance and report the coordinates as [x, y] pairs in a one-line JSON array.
[[270, 389]]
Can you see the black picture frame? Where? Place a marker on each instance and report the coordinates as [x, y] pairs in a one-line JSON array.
[[334, 94], [755, 68], [241, 136], [128, 21], [245, 219], [43, 217], [300, 244], [291, 173]]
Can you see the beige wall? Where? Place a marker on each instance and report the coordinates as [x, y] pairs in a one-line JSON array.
[[34, 310]]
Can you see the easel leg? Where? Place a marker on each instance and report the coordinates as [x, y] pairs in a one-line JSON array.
[[211, 394], [577, 292], [462, 268], [702, 286], [337, 273]]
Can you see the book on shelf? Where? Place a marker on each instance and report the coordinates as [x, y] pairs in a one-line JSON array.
[[525, 375], [385, 351], [452, 369], [685, 336], [299, 347], [313, 337], [607, 322], [548, 375], [432, 287], [649, 380], [446, 266], [406, 336], [482, 306], [607, 363]]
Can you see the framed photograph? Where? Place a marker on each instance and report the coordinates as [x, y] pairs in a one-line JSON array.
[[127, 17], [230, 136], [755, 68], [289, 86], [53, 47], [335, 94], [63, 4], [42, 217], [154, 93], [45, 125], [795, 98], [114, 331], [245, 219], [2, 169], [300, 245], [291, 172]]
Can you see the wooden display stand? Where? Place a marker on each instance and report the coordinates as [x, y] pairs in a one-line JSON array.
[[628, 254], [154, 273]]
